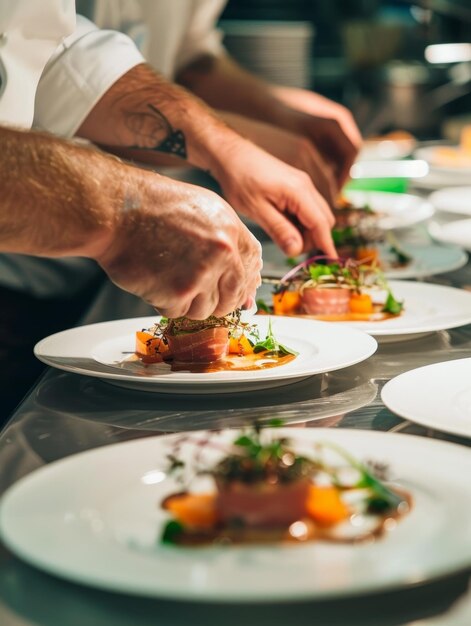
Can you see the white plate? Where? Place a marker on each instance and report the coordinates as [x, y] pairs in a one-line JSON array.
[[431, 154], [440, 176], [427, 260], [452, 200], [386, 149], [97, 350], [437, 396], [400, 210], [94, 518], [428, 308], [457, 232]]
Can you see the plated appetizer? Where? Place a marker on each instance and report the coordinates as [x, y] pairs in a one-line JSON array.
[[357, 235], [265, 490], [345, 290], [213, 344]]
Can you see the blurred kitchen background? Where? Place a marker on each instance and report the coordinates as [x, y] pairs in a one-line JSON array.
[[375, 56]]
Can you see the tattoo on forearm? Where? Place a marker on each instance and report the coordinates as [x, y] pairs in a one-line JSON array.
[[153, 131]]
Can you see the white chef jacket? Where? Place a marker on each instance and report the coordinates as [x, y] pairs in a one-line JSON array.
[[53, 69], [169, 33]]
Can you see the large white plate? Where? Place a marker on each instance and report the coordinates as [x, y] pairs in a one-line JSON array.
[[386, 149], [456, 232], [452, 200], [427, 260], [437, 396], [94, 518], [96, 350], [427, 308], [400, 210], [440, 176]]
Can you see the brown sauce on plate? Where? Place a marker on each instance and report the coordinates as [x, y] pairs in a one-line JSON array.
[[305, 529], [231, 362]]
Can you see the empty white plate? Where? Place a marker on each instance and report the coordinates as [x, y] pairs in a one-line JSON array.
[[437, 396], [457, 232], [452, 200]]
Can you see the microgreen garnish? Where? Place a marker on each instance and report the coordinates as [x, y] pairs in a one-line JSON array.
[[271, 344], [382, 498]]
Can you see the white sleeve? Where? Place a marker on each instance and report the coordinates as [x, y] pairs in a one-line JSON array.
[[202, 36], [82, 69]]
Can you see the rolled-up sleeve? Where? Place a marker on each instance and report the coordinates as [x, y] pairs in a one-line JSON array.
[[82, 69], [202, 36]]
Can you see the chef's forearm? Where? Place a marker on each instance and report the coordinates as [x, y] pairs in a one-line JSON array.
[[57, 199], [144, 113], [223, 84]]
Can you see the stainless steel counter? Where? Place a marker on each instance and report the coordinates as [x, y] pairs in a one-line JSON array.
[[67, 413]]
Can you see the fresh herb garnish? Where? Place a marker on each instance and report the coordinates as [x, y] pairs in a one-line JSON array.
[[291, 261], [392, 305], [401, 257], [171, 532], [382, 498], [272, 345]]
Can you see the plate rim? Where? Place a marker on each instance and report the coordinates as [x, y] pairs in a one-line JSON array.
[[304, 595], [453, 189], [398, 380], [370, 347], [422, 151]]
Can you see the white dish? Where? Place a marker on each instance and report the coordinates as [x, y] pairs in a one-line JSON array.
[[452, 200], [399, 210], [386, 149], [94, 518], [437, 396], [427, 260], [432, 155], [98, 350], [439, 175], [457, 232], [428, 308]]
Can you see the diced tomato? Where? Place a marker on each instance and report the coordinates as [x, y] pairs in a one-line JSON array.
[[151, 349], [369, 255], [240, 345], [361, 303], [193, 509], [286, 302], [325, 506]]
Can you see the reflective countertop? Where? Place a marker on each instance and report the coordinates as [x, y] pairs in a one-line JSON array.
[[67, 413]]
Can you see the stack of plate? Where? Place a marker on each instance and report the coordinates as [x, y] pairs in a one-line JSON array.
[[277, 51]]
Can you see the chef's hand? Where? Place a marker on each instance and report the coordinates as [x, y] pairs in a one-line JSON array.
[[280, 198], [293, 149], [182, 249], [328, 124]]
